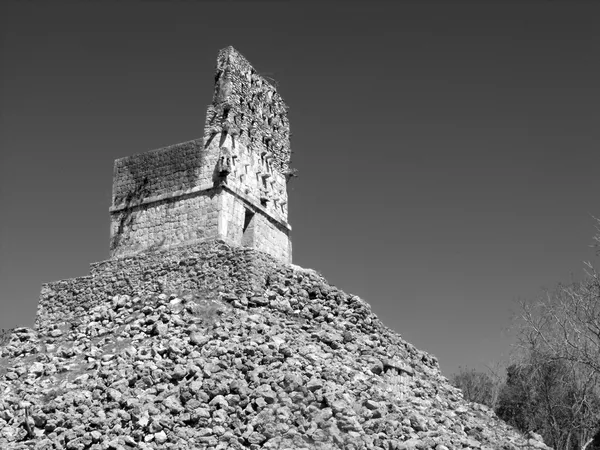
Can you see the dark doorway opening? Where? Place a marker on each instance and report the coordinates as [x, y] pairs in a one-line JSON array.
[[248, 229]]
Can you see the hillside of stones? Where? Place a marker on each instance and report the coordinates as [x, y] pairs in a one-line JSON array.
[[294, 364]]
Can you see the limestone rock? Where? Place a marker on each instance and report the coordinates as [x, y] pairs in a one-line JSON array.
[[138, 370]]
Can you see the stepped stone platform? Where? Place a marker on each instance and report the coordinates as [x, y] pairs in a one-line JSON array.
[[213, 346]]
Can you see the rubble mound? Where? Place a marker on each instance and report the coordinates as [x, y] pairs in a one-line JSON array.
[[286, 361]]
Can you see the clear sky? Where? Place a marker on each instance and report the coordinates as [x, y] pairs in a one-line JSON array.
[[447, 151]]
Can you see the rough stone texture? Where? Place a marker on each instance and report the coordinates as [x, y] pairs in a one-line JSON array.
[[219, 347], [201, 189], [201, 267], [166, 223], [249, 108], [189, 340], [174, 168]]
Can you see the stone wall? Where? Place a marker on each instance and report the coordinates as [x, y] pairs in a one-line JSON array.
[[166, 223], [249, 108], [253, 175], [261, 232], [165, 170], [146, 189], [194, 217], [205, 188], [160, 203], [270, 238], [208, 269]]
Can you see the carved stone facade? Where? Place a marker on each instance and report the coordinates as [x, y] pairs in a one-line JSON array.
[[229, 185]]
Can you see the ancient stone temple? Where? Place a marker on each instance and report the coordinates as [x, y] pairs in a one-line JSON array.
[[229, 185], [206, 345]]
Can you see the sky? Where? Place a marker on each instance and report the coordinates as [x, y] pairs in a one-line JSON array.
[[447, 151]]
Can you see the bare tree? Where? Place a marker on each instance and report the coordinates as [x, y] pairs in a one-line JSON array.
[[496, 372], [559, 339], [555, 381], [478, 387]]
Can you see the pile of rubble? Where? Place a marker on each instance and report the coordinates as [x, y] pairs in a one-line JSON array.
[[294, 364]]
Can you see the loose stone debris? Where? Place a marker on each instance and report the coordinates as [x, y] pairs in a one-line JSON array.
[[279, 360]]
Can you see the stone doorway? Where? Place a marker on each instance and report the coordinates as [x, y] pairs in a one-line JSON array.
[[248, 229]]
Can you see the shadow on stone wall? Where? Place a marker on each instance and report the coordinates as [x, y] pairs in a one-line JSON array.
[[127, 215], [171, 169]]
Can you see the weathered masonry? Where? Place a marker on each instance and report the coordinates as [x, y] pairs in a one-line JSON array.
[[229, 185]]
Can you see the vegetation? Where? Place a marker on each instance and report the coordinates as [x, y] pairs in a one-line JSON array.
[[5, 336], [478, 387], [552, 386]]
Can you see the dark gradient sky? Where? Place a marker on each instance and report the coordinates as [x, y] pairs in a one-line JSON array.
[[448, 151]]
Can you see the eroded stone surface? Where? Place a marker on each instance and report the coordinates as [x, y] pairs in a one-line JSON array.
[[231, 184], [255, 354]]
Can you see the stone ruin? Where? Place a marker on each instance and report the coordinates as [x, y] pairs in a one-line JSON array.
[[228, 185], [215, 342], [174, 204]]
